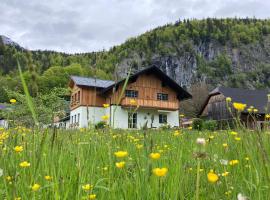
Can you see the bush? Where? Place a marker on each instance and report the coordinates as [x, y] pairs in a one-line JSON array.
[[100, 125], [197, 124], [210, 125]]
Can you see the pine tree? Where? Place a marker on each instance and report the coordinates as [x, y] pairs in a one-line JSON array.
[[33, 74]]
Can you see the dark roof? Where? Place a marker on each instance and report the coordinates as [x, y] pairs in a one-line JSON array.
[[256, 98], [182, 94], [91, 82]]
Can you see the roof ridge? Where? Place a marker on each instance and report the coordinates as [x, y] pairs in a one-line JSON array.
[[91, 78]]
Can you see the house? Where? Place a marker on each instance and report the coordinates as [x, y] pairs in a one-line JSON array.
[[3, 121], [216, 107], [150, 99], [62, 123]]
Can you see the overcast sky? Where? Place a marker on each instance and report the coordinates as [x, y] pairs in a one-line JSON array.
[[91, 25]]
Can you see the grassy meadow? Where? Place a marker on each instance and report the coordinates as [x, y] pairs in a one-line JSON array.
[[111, 164]]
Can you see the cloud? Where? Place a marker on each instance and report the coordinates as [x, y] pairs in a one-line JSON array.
[[91, 25]]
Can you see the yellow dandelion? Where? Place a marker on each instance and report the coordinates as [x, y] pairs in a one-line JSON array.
[[120, 164], [92, 196], [237, 138], [105, 105], [132, 101], [48, 178], [160, 172], [87, 187], [225, 173], [24, 164], [239, 106], [225, 145], [139, 146], [155, 156], [121, 154], [12, 101], [176, 133], [190, 128], [105, 117], [212, 177], [35, 187], [233, 162], [18, 149], [233, 133]]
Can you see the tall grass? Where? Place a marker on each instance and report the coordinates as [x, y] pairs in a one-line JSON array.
[[81, 157]]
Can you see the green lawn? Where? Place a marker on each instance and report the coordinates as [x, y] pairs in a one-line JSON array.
[[73, 159]]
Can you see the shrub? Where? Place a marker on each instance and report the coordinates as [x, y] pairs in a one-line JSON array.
[[100, 125], [197, 124], [210, 125]]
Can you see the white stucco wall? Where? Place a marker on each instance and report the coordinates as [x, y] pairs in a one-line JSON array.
[[121, 116]]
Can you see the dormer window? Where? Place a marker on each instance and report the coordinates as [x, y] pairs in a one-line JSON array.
[[132, 93], [162, 97]]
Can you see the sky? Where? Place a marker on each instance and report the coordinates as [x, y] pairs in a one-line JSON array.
[[76, 26]]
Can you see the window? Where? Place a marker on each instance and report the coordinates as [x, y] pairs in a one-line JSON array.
[[76, 97], [79, 118], [79, 96], [132, 93], [162, 119], [75, 118], [132, 120], [162, 97], [72, 120]]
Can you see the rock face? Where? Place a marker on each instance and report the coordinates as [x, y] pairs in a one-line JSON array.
[[8, 41], [183, 66]]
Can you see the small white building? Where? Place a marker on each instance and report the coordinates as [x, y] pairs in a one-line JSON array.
[[150, 99]]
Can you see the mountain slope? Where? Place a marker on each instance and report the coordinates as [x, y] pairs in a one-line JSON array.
[[232, 52]]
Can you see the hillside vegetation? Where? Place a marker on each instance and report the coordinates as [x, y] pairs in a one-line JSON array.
[[233, 52]]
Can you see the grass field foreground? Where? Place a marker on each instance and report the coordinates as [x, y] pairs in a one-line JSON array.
[[152, 164]]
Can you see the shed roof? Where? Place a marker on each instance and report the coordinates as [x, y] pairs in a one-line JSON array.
[[256, 98]]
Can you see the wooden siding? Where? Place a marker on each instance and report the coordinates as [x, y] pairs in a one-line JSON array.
[[88, 97], [216, 108], [147, 86]]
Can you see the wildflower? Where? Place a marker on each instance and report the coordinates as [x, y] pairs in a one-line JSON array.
[[225, 174], [228, 192], [267, 116], [239, 106], [237, 138], [233, 162], [105, 117], [200, 141], [181, 115], [24, 164], [8, 178], [223, 162], [190, 128], [155, 156], [121, 154], [160, 171], [176, 133], [120, 164], [201, 170], [35, 187], [255, 110], [242, 197], [212, 177], [249, 110], [211, 137], [233, 133], [92, 196], [228, 99], [139, 146], [247, 158], [18, 149], [12, 101], [87, 187], [132, 101], [225, 145], [17, 198], [48, 178], [105, 105]]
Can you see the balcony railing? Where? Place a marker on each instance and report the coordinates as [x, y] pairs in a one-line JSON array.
[[148, 103]]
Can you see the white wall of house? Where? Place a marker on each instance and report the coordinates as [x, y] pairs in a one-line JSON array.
[[119, 117], [3, 123]]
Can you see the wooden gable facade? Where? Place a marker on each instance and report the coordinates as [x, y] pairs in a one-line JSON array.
[[151, 88]]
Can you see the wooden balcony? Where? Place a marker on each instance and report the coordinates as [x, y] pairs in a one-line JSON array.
[[149, 103]]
